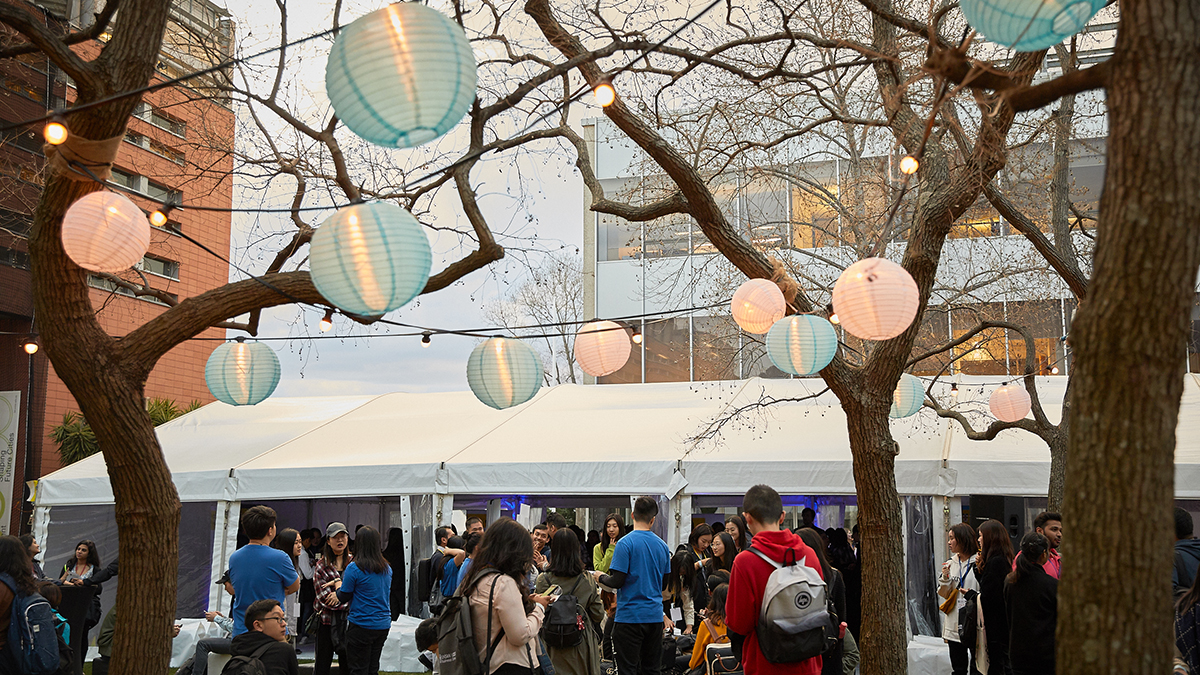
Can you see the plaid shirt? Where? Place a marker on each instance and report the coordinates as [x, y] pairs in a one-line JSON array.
[[323, 574]]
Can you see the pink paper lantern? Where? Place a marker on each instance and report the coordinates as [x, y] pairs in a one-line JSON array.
[[757, 305], [875, 299], [602, 348], [105, 232], [1009, 403]]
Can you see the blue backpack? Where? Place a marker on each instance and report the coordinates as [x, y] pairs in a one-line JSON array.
[[32, 638]]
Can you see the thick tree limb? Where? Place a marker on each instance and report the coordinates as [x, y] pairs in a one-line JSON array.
[[90, 33], [1066, 267], [957, 67], [41, 39]]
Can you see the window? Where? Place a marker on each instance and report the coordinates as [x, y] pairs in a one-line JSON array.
[[161, 149], [14, 258], [110, 286], [163, 193], [160, 119], [126, 180], [145, 186], [160, 267]]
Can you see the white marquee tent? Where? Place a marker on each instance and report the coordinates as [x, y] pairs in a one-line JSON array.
[[414, 456]]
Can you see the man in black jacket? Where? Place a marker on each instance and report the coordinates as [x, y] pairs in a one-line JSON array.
[[265, 639]]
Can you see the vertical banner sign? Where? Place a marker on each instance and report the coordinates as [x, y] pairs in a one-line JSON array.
[[10, 421]]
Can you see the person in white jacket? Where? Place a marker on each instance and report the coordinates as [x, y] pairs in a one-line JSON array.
[[958, 576]]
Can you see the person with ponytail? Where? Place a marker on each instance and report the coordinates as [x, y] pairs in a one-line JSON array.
[[1031, 606]]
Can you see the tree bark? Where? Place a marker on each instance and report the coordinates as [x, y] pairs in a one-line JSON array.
[[1115, 594], [1058, 470]]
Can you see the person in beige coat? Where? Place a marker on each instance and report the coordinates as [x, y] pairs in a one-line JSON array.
[[567, 572], [500, 601]]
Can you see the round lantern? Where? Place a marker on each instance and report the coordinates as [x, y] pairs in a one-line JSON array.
[[875, 299], [242, 373], [401, 76], [909, 397], [801, 344], [1029, 25], [602, 348], [757, 305], [369, 259], [1009, 403], [105, 232], [504, 372]]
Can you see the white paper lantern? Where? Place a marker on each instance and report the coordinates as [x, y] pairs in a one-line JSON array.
[[801, 344], [1029, 25], [1010, 403], [105, 232], [369, 259], [503, 372], [401, 76], [602, 348], [757, 305], [242, 373], [908, 397], [875, 299]]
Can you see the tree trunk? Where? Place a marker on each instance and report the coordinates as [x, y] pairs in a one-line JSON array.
[[1058, 470], [884, 639], [1115, 594]]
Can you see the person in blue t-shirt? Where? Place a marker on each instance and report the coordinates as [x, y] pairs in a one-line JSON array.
[[257, 571], [366, 585], [641, 563], [455, 555]]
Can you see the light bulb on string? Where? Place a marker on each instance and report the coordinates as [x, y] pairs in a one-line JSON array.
[[833, 317], [158, 218], [327, 321], [426, 339], [30, 346], [604, 92], [954, 390], [1054, 370], [637, 335], [56, 132], [909, 165]]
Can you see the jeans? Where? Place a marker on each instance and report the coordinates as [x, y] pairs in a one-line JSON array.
[[639, 648], [962, 656], [325, 653], [206, 646], [363, 647]]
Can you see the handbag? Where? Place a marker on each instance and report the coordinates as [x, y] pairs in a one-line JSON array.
[[719, 659], [950, 602], [337, 630]]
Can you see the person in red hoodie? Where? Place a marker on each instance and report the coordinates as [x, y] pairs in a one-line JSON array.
[[763, 510]]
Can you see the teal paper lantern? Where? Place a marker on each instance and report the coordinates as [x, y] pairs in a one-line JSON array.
[[801, 344], [242, 373], [504, 372], [909, 397], [401, 76], [368, 259], [1029, 25]]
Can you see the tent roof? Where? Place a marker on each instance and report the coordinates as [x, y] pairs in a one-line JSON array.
[[586, 440]]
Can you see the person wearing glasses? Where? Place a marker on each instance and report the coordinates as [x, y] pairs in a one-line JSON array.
[[265, 640]]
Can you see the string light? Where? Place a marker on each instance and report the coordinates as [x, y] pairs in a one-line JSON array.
[[426, 338], [56, 132], [637, 335], [1054, 370], [327, 321], [954, 389], [30, 346], [604, 92], [909, 165], [833, 317]]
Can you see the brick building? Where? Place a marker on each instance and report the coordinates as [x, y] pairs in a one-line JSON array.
[[179, 144]]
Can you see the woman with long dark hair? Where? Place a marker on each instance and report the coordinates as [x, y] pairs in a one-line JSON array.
[[288, 541], [602, 556], [1031, 604], [589, 547], [394, 555], [567, 572], [499, 599], [680, 592], [842, 557], [958, 577], [83, 565], [724, 550], [15, 562], [335, 556], [1187, 627], [735, 526], [831, 661], [995, 562], [698, 542], [712, 627], [366, 586]]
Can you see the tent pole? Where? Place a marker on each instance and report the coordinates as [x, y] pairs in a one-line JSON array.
[[224, 543]]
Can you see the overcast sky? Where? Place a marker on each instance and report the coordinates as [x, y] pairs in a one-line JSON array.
[[554, 200]]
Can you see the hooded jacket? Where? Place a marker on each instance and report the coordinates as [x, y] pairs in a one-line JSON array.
[[746, 585], [1187, 560]]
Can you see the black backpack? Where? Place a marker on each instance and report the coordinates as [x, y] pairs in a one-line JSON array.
[[456, 654], [247, 665], [437, 566], [565, 625]]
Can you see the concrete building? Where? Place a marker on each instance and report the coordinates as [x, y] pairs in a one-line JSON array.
[[178, 145]]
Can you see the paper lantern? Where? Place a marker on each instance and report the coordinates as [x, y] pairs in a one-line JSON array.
[[757, 305], [504, 372], [908, 398], [602, 348], [242, 373], [369, 259], [105, 232], [875, 299], [1029, 25], [401, 76], [801, 344], [1009, 403]]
